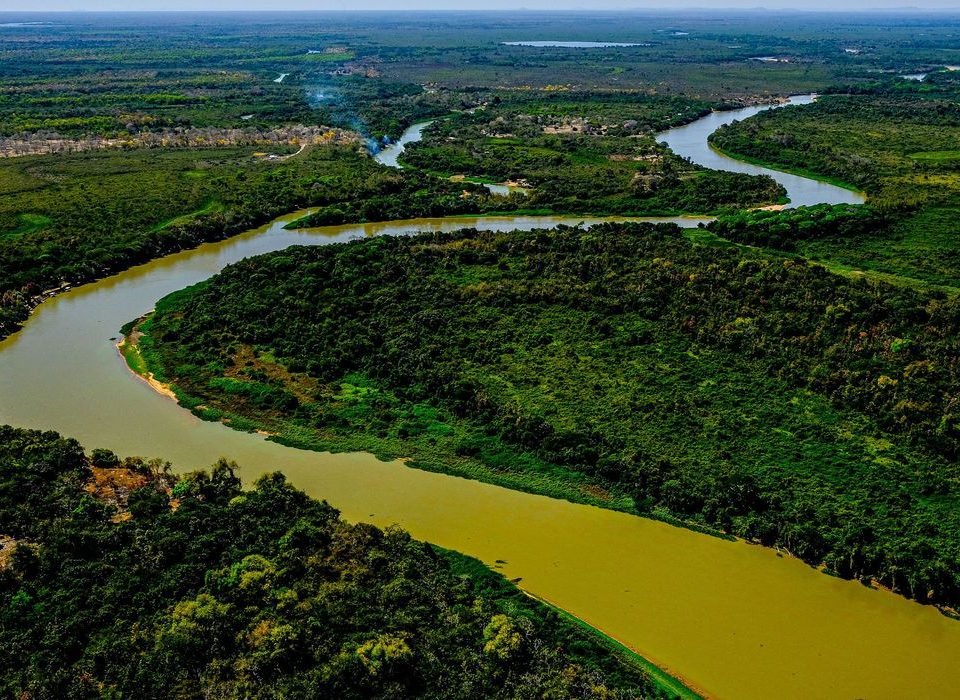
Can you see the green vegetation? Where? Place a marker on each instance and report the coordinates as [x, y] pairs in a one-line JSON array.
[[118, 579], [73, 218], [385, 194], [703, 54], [665, 682], [29, 223], [893, 143], [724, 378], [131, 352], [98, 212], [936, 155], [585, 152], [622, 365], [868, 140]]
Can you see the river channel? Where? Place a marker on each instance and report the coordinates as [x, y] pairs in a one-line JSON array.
[[690, 141], [733, 619]]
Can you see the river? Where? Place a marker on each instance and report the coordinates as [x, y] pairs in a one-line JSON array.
[[733, 619], [690, 141], [390, 154]]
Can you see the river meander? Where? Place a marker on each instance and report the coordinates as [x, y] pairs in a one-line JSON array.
[[733, 619], [690, 141]]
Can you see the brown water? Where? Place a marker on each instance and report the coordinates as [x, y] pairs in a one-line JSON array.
[[735, 620]]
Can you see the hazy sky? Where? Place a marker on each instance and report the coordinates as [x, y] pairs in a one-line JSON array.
[[92, 5]]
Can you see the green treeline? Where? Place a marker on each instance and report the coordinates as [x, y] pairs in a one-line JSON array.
[[75, 218], [386, 194], [585, 152], [786, 229], [763, 396], [900, 144], [188, 587]]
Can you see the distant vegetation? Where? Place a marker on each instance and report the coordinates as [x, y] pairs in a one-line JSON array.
[[724, 377], [580, 121], [118, 579], [625, 366], [71, 217], [897, 143], [585, 152]]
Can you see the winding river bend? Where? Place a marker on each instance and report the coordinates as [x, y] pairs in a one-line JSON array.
[[734, 620], [390, 154], [690, 141]]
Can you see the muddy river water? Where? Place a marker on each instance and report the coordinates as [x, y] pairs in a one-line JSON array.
[[734, 620]]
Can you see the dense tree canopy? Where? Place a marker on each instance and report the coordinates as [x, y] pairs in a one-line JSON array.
[[118, 579], [899, 143], [763, 396]]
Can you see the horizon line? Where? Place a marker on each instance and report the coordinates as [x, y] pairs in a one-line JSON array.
[[519, 10]]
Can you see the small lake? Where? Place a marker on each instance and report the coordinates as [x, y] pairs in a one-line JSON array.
[[502, 190]]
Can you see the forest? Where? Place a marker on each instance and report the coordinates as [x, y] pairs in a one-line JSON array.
[[897, 142], [120, 579], [790, 377], [759, 396], [585, 152]]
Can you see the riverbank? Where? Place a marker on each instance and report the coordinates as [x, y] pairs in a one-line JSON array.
[[674, 685], [693, 142], [422, 455], [405, 612], [779, 167], [129, 349], [143, 364], [568, 393], [73, 243]]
